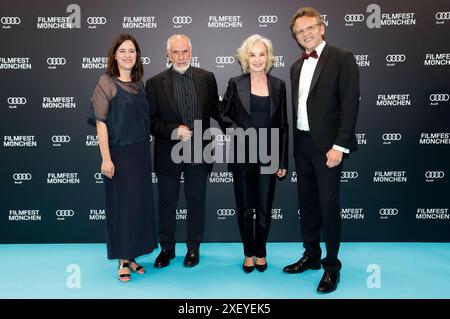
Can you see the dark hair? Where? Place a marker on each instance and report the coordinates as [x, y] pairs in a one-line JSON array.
[[305, 12], [138, 70]]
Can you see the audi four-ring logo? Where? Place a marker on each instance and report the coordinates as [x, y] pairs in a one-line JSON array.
[[60, 138], [392, 137], [182, 20], [349, 174], [267, 19], [22, 176], [56, 61], [388, 211], [439, 97], [223, 138], [65, 213], [226, 212], [10, 20], [225, 59], [395, 58], [443, 15], [98, 176], [354, 18], [434, 174], [16, 100], [145, 60], [96, 20]]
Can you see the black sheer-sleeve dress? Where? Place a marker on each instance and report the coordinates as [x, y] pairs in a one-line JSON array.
[[130, 218]]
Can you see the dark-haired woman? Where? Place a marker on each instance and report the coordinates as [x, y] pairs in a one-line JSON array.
[[120, 113]]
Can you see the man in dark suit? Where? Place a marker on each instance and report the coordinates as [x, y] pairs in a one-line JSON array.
[[178, 97], [325, 100]]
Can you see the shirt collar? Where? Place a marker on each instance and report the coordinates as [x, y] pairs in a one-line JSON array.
[[179, 76]]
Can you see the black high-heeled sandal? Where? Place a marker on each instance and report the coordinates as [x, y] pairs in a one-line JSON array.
[[123, 265], [138, 268]]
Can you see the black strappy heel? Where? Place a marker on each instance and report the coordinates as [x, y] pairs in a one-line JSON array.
[[138, 268]]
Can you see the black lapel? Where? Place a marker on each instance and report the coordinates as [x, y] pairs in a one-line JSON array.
[[200, 87], [243, 87], [273, 93], [322, 60], [168, 88], [295, 83]]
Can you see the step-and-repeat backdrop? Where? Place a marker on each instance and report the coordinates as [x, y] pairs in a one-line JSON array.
[[395, 188]]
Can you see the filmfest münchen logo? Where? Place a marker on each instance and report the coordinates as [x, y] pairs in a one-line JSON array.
[[91, 140], [390, 177], [194, 62], [63, 178], [19, 141], [181, 214], [15, 101], [361, 138], [437, 59], [224, 22], [277, 214], [377, 19], [432, 213], [8, 22], [97, 214], [94, 63], [73, 21], [294, 177], [221, 177], [436, 138], [439, 98], [58, 102], [279, 61], [396, 100], [25, 215], [15, 63], [139, 22], [362, 60], [352, 213]]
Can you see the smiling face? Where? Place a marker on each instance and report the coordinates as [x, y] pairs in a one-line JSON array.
[[180, 54], [126, 56], [257, 57], [308, 32]]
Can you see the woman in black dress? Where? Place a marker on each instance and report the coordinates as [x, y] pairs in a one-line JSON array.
[[120, 113], [256, 100]]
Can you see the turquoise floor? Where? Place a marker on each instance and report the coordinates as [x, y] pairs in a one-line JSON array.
[[370, 271]]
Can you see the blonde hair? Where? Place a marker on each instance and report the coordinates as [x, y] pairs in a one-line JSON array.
[[244, 51]]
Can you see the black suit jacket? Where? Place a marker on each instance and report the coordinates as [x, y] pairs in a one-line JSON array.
[[164, 115], [235, 109], [333, 99]]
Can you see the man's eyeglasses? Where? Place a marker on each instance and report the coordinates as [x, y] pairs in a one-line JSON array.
[[307, 30]]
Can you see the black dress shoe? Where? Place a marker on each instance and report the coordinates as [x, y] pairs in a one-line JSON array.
[[248, 269], [261, 268], [164, 258], [192, 257], [303, 264], [329, 282]]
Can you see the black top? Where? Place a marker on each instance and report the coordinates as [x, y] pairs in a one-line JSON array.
[[260, 111], [184, 89], [124, 108]]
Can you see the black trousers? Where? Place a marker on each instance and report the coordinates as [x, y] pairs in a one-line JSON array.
[[195, 178], [254, 193], [319, 201]]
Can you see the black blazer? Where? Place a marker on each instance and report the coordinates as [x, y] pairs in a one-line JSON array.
[[333, 99], [235, 109], [164, 115]]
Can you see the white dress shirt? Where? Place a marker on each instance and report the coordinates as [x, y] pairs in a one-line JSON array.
[[306, 75]]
